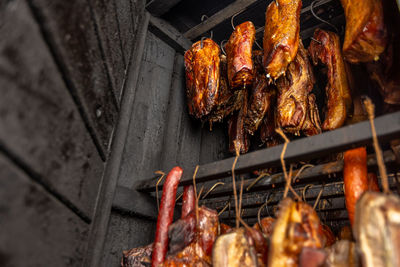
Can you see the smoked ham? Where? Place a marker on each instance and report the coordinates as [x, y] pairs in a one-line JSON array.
[[325, 48], [366, 35], [281, 35], [202, 63], [239, 54]]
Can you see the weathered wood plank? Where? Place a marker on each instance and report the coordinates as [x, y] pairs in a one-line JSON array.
[[160, 7], [105, 16], [218, 17], [39, 121], [214, 144], [182, 138], [37, 230], [102, 215], [143, 149], [125, 232], [68, 29], [169, 34]]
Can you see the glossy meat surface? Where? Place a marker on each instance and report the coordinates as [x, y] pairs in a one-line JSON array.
[[296, 227], [239, 54], [293, 91], [198, 252], [237, 131], [234, 250], [326, 50], [268, 135], [202, 63], [312, 123], [267, 225], [281, 35], [327, 235], [137, 257], [366, 35], [260, 99], [377, 229], [227, 100]]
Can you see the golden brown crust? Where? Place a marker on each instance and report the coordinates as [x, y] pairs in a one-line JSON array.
[[202, 63], [296, 227], [293, 91], [325, 48], [281, 35], [239, 54], [366, 35]]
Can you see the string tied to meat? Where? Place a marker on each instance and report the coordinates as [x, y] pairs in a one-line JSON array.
[[196, 206], [158, 182], [288, 178], [370, 108], [237, 150]]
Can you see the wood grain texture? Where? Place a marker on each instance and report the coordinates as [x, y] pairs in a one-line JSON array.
[[105, 15], [101, 218], [39, 121], [143, 147], [37, 230], [125, 232], [69, 30], [160, 7]]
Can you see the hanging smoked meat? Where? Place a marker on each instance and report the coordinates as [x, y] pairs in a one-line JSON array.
[[234, 250], [312, 123], [377, 229], [268, 135], [227, 100], [293, 95], [281, 35], [366, 36], [202, 63], [386, 71], [325, 48], [342, 254], [296, 228], [239, 55], [236, 129], [201, 239]]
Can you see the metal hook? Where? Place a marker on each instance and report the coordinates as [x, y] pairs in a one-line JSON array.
[[315, 40], [267, 201], [222, 45], [202, 39], [233, 26], [319, 18], [212, 188], [304, 191], [203, 17], [258, 45], [228, 204], [262, 175], [319, 196]]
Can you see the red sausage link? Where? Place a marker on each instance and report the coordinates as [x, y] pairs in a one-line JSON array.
[[355, 178], [165, 216], [188, 200]]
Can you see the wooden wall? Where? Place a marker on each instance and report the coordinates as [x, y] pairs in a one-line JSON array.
[[63, 71]]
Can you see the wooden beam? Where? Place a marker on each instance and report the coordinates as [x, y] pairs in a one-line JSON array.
[[160, 7], [102, 214], [350, 136], [217, 18], [169, 34]]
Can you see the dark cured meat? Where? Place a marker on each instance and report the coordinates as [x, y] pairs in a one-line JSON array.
[[239, 55], [293, 93], [356, 179], [267, 225], [312, 123], [281, 35], [228, 100], [181, 233], [296, 227], [188, 200], [366, 35], [259, 103], [257, 239], [137, 257], [268, 135], [325, 47], [202, 63], [165, 216], [386, 71], [328, 237], [236, 129], [198, 252]]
